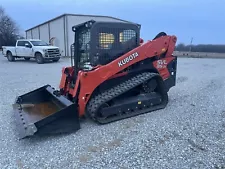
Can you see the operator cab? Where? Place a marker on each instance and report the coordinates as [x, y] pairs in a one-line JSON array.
[[98, 43]]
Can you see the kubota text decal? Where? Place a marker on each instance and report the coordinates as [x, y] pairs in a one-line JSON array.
[[128, 59]]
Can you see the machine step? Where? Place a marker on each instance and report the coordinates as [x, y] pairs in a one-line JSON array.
[[132, 104]]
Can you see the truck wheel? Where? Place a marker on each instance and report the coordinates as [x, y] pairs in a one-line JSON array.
[[39, 58], [27, 58], [10, 57]]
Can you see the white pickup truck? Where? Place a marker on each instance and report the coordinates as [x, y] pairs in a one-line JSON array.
[[32, 48]]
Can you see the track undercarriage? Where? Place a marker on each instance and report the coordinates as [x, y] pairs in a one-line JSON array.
[[140, 94]]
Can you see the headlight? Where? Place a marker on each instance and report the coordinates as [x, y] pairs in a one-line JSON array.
[[45, 50]]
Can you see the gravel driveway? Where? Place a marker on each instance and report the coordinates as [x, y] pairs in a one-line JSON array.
[[189, 133]]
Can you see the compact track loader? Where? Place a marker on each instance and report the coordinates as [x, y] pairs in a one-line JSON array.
[[114, 75]]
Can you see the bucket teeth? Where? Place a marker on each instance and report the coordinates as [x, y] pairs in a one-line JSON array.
[[24, 128]]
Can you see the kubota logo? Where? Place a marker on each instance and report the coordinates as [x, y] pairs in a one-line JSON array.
[[128, 59]]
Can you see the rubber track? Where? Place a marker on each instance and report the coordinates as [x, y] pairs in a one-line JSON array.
[[108, 95]]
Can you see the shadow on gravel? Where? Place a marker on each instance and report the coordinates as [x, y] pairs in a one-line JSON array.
[[40, 138], [182, 79], [45, 138]]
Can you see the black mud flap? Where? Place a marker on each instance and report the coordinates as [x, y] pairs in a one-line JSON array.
[[43, 112]]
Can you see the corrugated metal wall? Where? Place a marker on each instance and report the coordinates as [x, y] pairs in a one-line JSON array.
[[54, 29], [44, 32], [35, 33], [57, 32], [29, 34], [61, 30]]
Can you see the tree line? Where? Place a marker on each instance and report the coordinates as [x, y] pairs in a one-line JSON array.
[[209, 48], [9, 30]]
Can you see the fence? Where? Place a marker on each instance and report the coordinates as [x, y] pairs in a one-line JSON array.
[[198, 54], [181, 54]]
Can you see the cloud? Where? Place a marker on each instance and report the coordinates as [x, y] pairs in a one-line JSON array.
[[200, 19]]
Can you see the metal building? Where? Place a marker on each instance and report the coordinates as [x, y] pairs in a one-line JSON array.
[[58, 31]]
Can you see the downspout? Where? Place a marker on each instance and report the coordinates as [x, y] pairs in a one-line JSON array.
[[67, 34], [65, 41]]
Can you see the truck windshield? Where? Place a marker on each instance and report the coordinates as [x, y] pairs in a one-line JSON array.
[[39, 43]]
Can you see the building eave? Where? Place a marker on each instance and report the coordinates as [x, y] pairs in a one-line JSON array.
[[68, 14]]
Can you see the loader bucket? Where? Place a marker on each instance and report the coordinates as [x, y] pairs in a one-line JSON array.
[[41, 111]]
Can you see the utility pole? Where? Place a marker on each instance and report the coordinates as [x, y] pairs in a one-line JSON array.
[[191, 44]]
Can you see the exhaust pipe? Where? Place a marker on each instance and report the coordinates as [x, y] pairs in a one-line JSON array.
[[41, 111]]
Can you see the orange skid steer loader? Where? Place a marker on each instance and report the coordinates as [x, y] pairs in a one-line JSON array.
[[114, 75]]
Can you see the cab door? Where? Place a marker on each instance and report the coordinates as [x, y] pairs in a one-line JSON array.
[[20, 48], [28, 50], [24, 49]]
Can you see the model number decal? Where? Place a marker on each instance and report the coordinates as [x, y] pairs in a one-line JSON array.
[[128, 59], [161, 63]]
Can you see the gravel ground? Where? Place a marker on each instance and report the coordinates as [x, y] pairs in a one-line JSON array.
[[189, 133]]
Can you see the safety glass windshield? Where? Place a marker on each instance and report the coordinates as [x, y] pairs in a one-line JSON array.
[[39, 43]]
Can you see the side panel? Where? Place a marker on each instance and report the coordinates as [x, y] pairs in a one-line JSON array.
[[29, 35], [172, 69], [11, 49], [35, 33], [57, 33], [44, 34]]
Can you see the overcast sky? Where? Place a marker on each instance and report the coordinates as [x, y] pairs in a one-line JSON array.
[[204, 20]]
